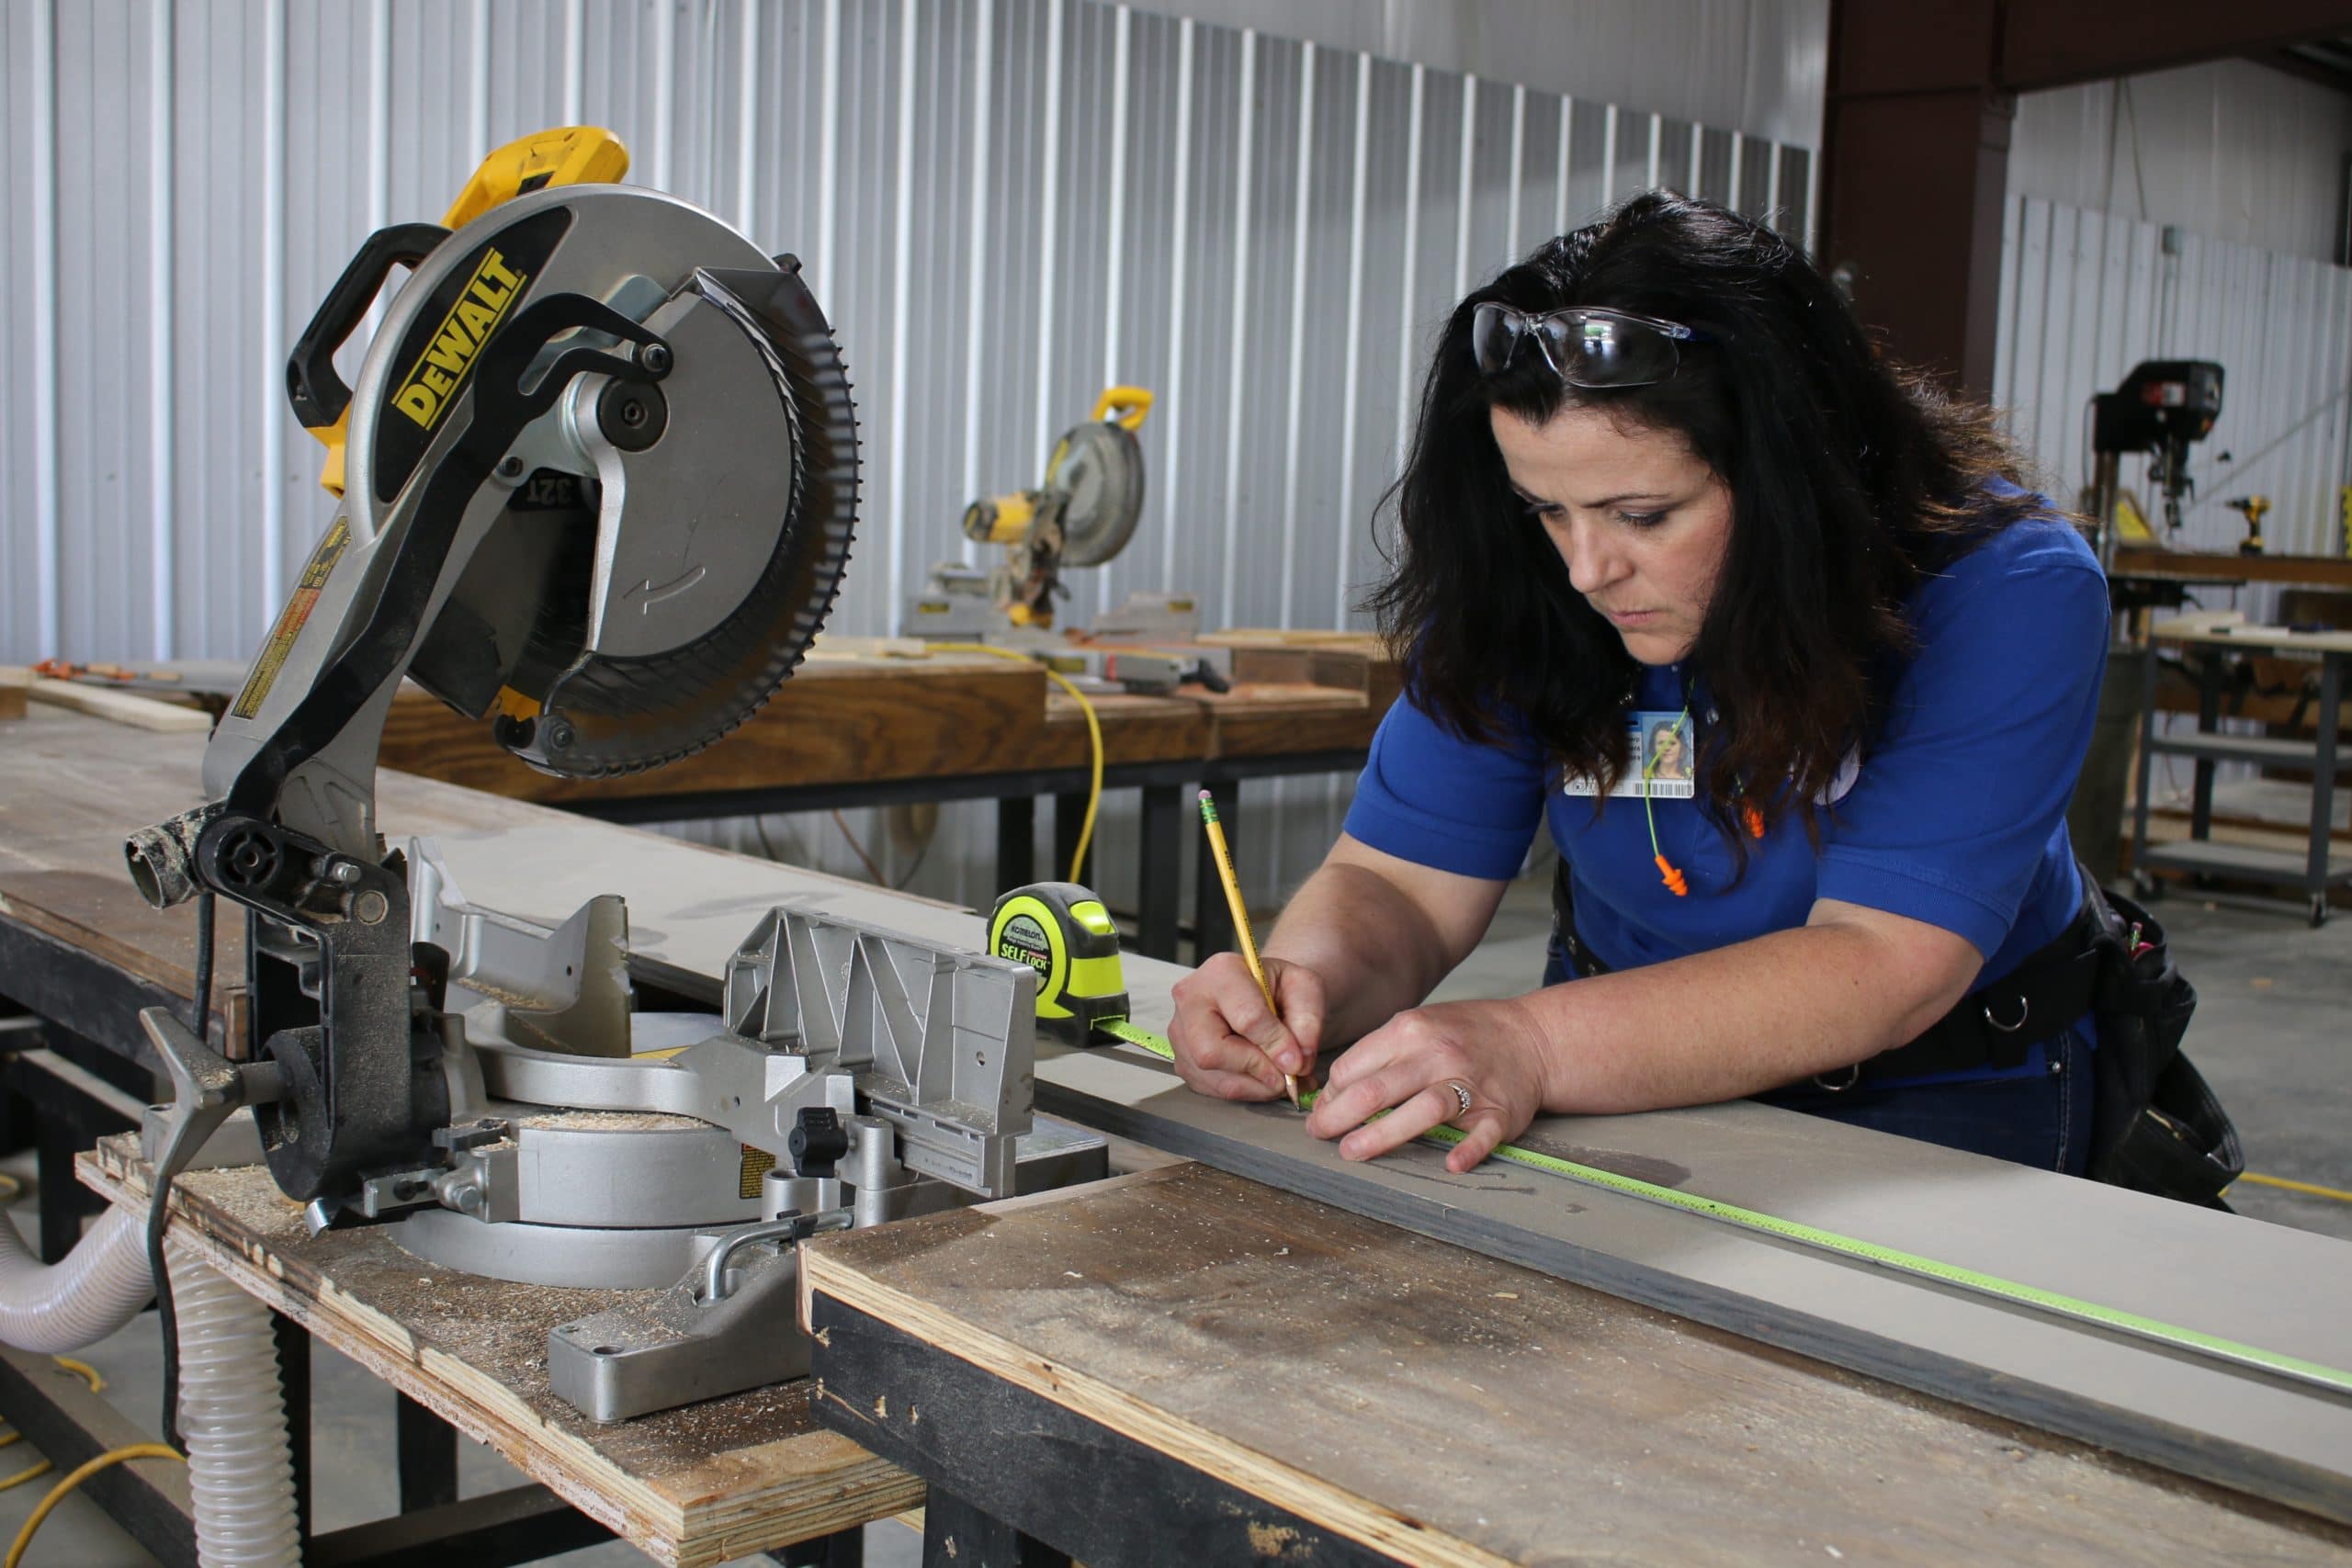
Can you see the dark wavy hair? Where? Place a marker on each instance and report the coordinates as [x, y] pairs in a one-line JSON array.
[[1850, 479]]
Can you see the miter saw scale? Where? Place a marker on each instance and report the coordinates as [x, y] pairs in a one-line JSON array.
[[597, 483]]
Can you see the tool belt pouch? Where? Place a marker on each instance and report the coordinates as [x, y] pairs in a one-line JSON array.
[[2156, 1126]]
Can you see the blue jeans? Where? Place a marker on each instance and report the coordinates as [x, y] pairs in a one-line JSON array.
[[2040, 1119]]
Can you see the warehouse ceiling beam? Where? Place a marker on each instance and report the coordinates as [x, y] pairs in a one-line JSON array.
[[1915, 140]]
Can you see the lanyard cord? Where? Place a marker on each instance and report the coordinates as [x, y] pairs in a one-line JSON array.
[[1675, 881]]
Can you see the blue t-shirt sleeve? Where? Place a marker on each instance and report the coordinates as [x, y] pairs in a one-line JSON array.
[[1953, 810], [1429, 797]]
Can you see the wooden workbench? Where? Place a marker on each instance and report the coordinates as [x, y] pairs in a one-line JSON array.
[[704, 1484], [80, 947], [2325, 571], [866, 719], [1264, 1382], [1184, 1365]]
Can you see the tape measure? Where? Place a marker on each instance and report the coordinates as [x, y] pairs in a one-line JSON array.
[[2333, 1379], [1062, 931]]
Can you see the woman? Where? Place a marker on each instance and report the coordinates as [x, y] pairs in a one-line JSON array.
[[1661, 477]]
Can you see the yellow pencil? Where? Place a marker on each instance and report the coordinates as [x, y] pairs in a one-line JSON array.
[[1240, 917]]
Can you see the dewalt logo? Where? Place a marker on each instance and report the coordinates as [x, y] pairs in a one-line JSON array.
[[441, 369]]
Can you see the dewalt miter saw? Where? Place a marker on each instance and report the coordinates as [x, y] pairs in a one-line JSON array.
[[1082, 514], [598, 480]]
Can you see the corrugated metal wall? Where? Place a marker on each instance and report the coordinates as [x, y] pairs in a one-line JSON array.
[[2086, 295], [1756, 66], [2228, 148], [1005, 204]]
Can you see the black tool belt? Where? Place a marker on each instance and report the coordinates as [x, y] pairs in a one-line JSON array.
[[2155, 1125]]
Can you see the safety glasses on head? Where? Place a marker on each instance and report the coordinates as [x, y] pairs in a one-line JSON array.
[[1584, 348]]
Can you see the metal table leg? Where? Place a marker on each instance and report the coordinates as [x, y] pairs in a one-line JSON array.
[[2331, 713], [1016, 840], [1157, 890], [294, 1377], [2209, 718], [428, 1447], [1070, 814]]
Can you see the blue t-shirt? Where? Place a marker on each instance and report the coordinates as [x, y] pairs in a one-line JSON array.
[[1955, 815]]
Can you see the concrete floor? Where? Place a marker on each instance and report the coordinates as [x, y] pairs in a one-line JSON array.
[[2271, 1036]]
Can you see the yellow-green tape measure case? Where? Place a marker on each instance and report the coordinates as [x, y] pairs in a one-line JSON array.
[[1062, 931]]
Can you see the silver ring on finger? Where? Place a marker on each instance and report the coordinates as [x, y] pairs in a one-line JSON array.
[[1461, 1097]]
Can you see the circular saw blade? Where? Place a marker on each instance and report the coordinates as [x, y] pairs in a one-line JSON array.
[[607, 714], [1099, 466]]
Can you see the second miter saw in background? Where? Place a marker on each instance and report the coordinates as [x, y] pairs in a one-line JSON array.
[[598, 483], [1081, 514]]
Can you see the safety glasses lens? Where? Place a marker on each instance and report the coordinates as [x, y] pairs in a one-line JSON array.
[[1606, 352], [1495, 332]]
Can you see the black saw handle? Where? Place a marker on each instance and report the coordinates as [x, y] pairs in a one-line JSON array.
[[312, 386]]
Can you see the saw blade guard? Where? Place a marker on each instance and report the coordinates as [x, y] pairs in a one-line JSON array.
[[1096, 471]]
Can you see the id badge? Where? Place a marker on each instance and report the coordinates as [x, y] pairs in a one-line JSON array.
[[1661, 750]]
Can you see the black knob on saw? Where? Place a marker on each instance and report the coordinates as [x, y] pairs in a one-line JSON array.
[[817, 1140], [631, 415]]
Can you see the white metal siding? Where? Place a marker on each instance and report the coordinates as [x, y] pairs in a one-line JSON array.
[[1002, 206]]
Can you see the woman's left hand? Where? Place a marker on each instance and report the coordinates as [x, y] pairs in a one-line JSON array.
[[1495, 1050]]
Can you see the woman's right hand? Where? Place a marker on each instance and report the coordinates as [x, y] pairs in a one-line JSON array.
[[1228, 1044]]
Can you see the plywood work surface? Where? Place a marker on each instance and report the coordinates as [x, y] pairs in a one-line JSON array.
[[704, 1484], [1450, 1408]]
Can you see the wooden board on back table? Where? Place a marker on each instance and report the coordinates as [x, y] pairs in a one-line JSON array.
[[2335, 571], [1454, 1409], [863, 718], [704, 1484]]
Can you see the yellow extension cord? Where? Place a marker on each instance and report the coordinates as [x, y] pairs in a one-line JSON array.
[[59, 1492], [1093, 736], [2308, 1189]]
